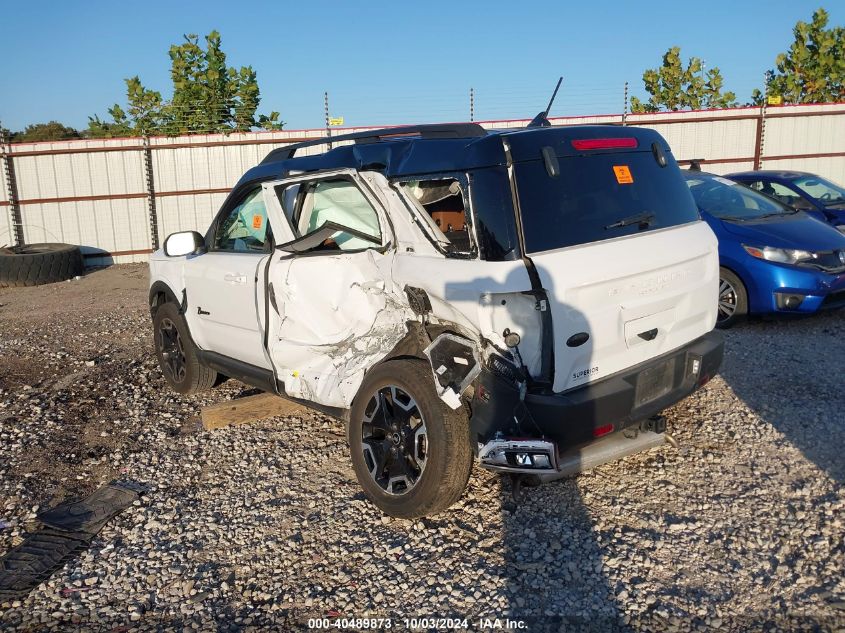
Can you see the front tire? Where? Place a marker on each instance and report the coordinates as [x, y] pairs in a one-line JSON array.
[[177, 354], [411, 453], [733, 299]]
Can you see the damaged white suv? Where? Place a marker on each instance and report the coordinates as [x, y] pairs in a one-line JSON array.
[[531, 298]]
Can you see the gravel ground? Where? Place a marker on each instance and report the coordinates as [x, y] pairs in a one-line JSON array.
[[263, 525]]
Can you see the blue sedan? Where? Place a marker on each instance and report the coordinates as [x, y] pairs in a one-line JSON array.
[[773, 259], [820, 198]]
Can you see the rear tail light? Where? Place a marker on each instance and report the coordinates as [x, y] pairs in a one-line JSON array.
[[602, 430], [604, 143]]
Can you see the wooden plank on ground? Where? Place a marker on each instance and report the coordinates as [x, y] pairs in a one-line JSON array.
[[248, 409]]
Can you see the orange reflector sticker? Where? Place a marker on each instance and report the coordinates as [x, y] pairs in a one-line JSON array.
[[623, 174], [257, 220]]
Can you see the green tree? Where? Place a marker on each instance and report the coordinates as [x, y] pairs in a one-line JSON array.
[[813, 69], [674, 86], [52, 131], [208, 96], [118, 126]]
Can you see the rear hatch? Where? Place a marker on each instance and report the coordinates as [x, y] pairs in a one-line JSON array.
[[618, 245]]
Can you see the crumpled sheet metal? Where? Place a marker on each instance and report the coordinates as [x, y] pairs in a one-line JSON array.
[[325, 353]]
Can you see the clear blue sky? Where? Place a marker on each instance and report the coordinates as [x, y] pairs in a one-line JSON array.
[[387, 61]]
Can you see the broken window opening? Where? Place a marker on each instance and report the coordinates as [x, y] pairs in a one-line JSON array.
[[442, 201], [308, 206]]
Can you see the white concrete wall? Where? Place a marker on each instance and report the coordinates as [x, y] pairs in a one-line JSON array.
[[193, 173]]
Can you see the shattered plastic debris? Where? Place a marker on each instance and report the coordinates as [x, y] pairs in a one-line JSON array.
[[69, 591]]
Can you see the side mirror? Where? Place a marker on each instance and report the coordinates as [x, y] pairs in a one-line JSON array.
[[183, 243]]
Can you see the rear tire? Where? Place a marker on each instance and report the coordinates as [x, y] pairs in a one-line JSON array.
[[177, 354], [411, 453], [733, 300]]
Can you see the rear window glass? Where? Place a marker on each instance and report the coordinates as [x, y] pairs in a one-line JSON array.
[[598, 197]]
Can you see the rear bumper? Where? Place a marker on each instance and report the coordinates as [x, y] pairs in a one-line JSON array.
[[583, 415]]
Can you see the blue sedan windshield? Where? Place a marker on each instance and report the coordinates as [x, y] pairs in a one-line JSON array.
[[822, 190], [729, 200]]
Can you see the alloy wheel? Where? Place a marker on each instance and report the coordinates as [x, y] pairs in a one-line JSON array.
[[727, 300], [172, 350], [394, 440]]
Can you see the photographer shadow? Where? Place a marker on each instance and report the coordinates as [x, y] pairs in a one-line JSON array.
[[551, 560]]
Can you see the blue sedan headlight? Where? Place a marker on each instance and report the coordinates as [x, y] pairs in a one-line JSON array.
[[781, 255]]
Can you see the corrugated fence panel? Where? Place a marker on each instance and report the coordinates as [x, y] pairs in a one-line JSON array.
[[727, 168], [712, 141], [805, 135], [188, 213], [193, 174], [78, 174], [7, 234], [4, 196], [112, 226], [831, 168]]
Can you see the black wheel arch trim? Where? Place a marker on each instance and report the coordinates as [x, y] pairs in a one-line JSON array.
[[160, 288]]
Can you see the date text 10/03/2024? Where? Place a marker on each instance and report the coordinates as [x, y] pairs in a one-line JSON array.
[[504, 624]]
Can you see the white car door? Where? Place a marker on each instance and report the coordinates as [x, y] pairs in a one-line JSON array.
[[225, 286], [336, 310]]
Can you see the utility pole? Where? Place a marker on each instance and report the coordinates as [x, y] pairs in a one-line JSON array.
[[471, 105], [328, 127], [11, 188]]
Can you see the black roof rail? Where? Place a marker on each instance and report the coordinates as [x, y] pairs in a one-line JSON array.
[[437, 130]]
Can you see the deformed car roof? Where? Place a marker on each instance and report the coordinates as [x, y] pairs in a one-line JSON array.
[[410, 155]]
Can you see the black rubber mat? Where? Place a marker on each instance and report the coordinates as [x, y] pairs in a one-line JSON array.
[[70, 528], [32, 562], [93, 512]]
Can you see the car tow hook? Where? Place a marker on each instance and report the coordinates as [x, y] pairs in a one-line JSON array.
[[520, 480]]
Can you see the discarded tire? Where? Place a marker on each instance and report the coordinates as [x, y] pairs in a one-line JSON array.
[[37, 264]]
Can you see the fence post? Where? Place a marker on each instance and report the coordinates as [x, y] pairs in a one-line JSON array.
[[328, 127], [471, 105], [11, 188], [758, 140], [151, 193], [761, 124], [625, 106]]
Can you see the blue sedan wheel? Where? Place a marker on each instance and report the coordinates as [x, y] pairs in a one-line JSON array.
[[733, 299]]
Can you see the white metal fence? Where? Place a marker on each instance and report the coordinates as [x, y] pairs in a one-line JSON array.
[[96, 193]]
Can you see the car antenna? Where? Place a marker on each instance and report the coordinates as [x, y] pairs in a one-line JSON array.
[[542, 119]]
